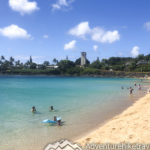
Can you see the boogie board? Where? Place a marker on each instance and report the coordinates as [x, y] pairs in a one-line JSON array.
[[49, 121]]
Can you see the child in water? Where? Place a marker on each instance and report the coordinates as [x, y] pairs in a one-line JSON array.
[[33, 109], [51, 108]]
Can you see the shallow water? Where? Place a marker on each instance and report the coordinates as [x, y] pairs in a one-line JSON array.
[[83, 103]]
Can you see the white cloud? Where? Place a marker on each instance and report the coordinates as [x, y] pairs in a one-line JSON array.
[[70, 45], [61, 4], [95, 47], [97, 34], [45, 36], [23, 6], [103, 36], [80, 30], [13, 32], [135, 51], [147, 26]]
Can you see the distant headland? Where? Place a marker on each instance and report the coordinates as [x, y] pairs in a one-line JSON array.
[[113, 66]]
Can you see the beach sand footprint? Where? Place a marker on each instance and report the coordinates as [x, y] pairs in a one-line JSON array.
[[88, 139], [130, 136]]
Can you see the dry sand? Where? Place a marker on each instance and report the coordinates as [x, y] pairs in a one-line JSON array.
[[132, 125]]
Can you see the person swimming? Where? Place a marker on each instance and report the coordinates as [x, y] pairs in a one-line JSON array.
[[134, 84], [33, 109], [51, 108]]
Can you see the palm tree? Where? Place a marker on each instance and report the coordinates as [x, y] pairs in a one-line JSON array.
[[55, 61], [17, 63], [30, 60], [2, 58], [11, 61]]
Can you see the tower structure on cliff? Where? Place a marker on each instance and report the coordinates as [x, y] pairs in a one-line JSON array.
[[83, 58]]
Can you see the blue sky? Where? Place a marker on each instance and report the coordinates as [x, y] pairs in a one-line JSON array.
[[47, 29]]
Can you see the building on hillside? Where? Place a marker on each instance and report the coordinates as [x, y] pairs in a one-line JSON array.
[[142, 62], [83, 58], [52, 67]]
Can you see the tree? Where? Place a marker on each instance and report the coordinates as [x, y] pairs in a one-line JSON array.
[[96, 64], [132, 66], [55, 61], [2, 58], [17, 63], [66, 64], [147, 57], [140, 57], [11, 61], [46, 63], [5, 66], [33, 66], [30, 60]]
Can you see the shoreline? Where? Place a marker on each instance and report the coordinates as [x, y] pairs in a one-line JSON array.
[[131, 126], [102, 73], [74, 76]]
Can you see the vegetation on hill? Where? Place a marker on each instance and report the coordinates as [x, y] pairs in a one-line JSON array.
[[114, 66]]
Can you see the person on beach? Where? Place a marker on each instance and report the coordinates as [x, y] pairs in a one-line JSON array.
[[51, 108], [33, 109], [148, 90]]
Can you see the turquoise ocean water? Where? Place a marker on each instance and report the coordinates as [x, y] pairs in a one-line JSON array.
[[82, 103]]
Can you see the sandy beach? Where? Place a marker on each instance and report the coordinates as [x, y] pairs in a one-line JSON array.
[[132, 125]]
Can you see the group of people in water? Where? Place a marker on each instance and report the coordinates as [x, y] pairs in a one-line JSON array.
[[51, 108], [131, 89]]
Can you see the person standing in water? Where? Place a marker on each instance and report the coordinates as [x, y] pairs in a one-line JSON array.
[[51, 108], [55, 118], [59, 122], [131, 90], [33, 109], [139, 87]]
